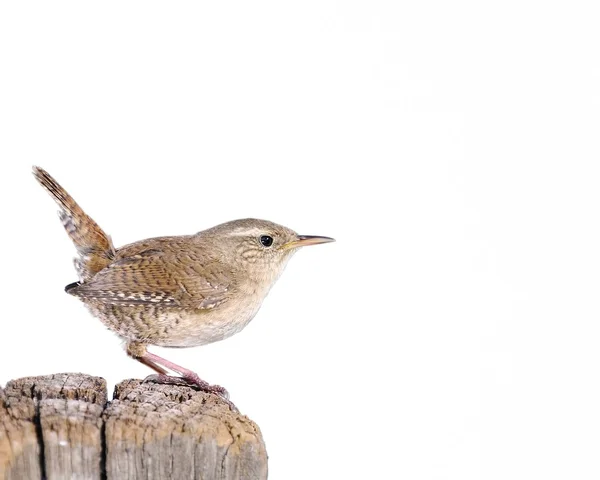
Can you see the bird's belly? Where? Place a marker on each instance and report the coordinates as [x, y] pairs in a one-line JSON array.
[[203, 327], [174, 327]]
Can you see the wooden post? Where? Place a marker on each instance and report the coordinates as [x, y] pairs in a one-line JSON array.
[[62, 427]]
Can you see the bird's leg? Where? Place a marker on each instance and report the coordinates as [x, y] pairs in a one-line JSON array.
[[156, 363], [157, 368], [187, 375]]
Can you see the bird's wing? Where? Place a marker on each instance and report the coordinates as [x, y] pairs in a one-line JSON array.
[[156, 277]]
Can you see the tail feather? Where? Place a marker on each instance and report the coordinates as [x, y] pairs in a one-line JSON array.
[[93, 245]]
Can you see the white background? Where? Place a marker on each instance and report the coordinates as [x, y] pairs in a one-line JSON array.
[[451, 148]]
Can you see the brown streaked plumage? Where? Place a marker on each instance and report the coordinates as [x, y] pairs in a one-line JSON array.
[[179, 291]]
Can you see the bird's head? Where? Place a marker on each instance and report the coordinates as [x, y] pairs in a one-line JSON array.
[[260, 247]]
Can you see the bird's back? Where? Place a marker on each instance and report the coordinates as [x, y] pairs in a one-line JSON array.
[[170, 272]]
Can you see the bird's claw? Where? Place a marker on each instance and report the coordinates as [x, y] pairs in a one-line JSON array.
[[190, 381]]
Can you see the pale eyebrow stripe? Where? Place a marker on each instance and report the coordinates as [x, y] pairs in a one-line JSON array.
[[246, 233]]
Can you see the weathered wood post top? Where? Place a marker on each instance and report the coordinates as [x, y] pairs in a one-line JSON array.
[[63, 427]]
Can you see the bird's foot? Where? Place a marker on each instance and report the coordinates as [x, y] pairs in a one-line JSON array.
[[192, 380], [187, 377]]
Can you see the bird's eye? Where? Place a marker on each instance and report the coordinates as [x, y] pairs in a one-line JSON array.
[[266, 240]]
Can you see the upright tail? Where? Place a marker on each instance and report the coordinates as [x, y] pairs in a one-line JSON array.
[[93, 245]]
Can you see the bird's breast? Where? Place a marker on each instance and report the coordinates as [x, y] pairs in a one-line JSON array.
[[203, 326]]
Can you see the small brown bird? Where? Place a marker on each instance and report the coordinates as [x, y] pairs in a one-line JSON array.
[[180, 291]]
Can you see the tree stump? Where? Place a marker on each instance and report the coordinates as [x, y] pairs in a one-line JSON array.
[[62, 427]]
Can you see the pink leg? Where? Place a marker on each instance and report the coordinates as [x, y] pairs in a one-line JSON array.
[[187, 376], [156, 363], [157, 368]]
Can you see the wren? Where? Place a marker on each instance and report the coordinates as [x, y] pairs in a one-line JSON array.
[[179, 291]]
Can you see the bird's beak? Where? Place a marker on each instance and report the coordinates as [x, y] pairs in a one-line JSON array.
[[304, 240]]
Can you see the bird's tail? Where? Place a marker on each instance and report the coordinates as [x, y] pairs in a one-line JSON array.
[[93, 245]]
